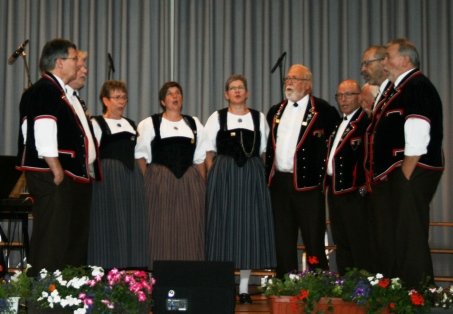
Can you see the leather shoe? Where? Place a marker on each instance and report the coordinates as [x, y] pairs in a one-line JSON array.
[[244, 298]]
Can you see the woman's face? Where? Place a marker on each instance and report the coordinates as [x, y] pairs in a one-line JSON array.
[[173, 100], [236, 93], [116, 103]]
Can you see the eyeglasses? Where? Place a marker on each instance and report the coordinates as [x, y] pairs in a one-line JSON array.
[[294, 79], [119, 97], [71, 58], [235, 88], [345, 95], [365, 63]]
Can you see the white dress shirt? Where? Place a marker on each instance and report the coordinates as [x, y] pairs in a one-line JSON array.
[[288, 134], [338, 135]]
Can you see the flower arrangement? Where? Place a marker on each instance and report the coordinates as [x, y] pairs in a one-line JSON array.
[[391, 294], [374, 293], [307, 287], [441, 297], [12, 288], [90, 290]]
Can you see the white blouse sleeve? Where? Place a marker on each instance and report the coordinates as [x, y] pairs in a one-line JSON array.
[[200, 151], [97, 130], [146, 134], [264, 129], [210, 130]]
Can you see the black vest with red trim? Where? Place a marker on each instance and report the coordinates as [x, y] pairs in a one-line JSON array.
[[310, 158], [414, 97], [46, 99]]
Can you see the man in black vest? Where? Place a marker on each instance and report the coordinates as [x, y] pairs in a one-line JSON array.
[[405, 162], [295, 166], [345, 181], [54, 152]]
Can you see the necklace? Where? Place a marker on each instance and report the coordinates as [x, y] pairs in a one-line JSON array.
[[248, 154]]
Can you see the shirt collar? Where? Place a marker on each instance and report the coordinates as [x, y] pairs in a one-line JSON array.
[[402, 76]]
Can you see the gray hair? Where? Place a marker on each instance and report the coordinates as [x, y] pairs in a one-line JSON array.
[[407, 48], [54, 49]]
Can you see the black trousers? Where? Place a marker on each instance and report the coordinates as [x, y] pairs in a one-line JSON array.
[[294, 211], [60, 222], [400, 222], [350, 226]]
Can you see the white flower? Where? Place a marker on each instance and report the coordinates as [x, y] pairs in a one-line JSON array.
[[293, 277], [395, 283], [379, 276], [373, 281], [77, 282], [16, 275], [264, 281], [43, 273], [80, 311], [97, 271], [60, 280]]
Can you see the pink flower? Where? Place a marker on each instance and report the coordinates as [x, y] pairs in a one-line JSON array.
[[141, 296]]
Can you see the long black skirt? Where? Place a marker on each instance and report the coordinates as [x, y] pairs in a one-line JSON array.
[[239, 225]]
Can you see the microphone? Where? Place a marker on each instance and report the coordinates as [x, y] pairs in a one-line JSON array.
[[112, 67], [18, 52], [279, 61]]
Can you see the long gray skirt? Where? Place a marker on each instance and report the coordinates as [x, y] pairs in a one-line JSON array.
[[118, 226], [239, 225], [176, 214]]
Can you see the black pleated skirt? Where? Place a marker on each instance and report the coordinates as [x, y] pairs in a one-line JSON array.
[[119, 218], [239, 223]]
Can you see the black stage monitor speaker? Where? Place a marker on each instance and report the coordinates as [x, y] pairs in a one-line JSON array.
[[193, 287]]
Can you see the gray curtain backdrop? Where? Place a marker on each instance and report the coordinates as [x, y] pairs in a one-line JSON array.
[[201, 42]]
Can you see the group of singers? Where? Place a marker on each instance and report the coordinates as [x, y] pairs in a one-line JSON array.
[[241, 188]]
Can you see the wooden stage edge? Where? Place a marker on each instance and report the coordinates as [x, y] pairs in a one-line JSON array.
[[260, 305]]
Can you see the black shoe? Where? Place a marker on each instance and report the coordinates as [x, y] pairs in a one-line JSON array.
[[244, 298]]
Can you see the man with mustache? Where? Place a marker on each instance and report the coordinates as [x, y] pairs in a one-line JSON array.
[[295, 165]]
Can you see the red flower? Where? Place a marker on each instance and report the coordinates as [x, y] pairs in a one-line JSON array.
[[303, 294], [416, 298], [384, 283], [392, 306], [313, 260]]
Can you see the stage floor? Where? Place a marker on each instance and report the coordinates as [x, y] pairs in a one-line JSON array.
[[260, 305]]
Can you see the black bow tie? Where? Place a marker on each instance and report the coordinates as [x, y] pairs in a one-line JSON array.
[[81, 101]]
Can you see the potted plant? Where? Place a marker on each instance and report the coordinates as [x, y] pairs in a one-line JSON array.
[[440, 297], [92, 290], [302, 291], [13, 287]]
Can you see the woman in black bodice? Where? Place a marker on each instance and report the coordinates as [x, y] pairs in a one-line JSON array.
[[169, 151], [239, 224]]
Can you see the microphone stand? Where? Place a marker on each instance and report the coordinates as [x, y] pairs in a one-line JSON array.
[[27, 69], [279, 64], [280, 68]]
